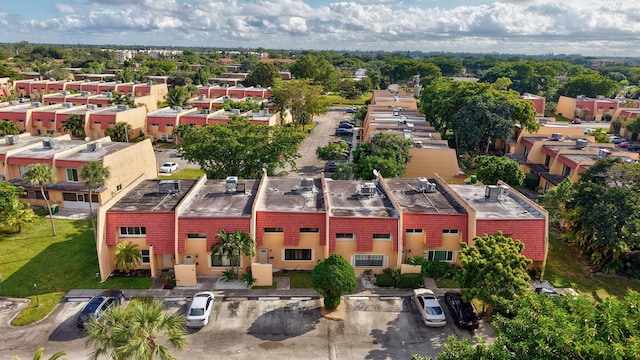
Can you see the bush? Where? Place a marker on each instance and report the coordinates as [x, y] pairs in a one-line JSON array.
[[410, 281], [229, 275], [531, 181], [385, 280]]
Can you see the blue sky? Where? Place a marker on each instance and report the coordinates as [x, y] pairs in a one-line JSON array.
[[587, 27]]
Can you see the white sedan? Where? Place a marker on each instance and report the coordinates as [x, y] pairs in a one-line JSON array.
[[200, 309], [169, 167], [429, 307]]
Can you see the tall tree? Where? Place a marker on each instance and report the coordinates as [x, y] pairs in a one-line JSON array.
[[141, 330], [40, 354], [240, 148], [75, 125], [40, 175], [120, 132], [332, 151], [300, 98], [387, 153], [318, 69], [589, 84], [127, 255], [233, 245], [118, 98], [493, 271], [9, 128], [490, 169], [178, 96], [264, 75], [94, 176], [332, 277]]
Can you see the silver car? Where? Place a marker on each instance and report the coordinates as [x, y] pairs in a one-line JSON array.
[[200, 309]]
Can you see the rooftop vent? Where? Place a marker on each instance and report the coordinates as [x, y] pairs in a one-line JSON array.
[[177, 108], [123, 107], [425, 186], [49, 143], [367, 189], [556, 136], [231, 183], [67, 105], [306, 184], [14, 102], [108, 94], [36, 104], [64, 92], [168, 186], [95, 146], [12, 139], [201, 97], [84, 93], [92, 107], [603, 153], [492, 192], [581, 143], [235, 111]]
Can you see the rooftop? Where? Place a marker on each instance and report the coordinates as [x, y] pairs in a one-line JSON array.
[[22, 140], [344, 199], [47, 152], [146, 197], [212, 199], [412, 199], [87, 154], [292, 195], [506, 207]]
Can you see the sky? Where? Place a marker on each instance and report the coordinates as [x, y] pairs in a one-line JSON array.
[[586, 27]]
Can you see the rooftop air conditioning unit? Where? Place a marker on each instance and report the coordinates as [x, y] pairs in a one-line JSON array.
[[177, 108], [67, 105], [149, 83], [84, 93], [36, 104], [580, 97], [581, 143], [231, 183], [306, 184], [491, 192], [235, 111], [12, 139], [123, 107], [64, 92], [87, 80], [92, 107], [367, 189], [14, 102], [168, 186], [201, 97], [556, 136], [503, 190], [95, 146], [136, 82], [49, 143], [108, 94], [603, 153], [425, 186]]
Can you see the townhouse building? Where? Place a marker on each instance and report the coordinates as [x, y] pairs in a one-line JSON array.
[[162, 122], [297, 221], [127, 163], [586, 108]]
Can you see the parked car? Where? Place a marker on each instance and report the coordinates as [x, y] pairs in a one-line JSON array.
[[351, 110], [344, 132], [169, 167], [98, 305], [576, 121], [464, 313], [633, 146], [330, 166], [616, 139], [200, 309], [547, 291], [587, 130], [623, 144], [430, 310], [348, 122], [346, 125]]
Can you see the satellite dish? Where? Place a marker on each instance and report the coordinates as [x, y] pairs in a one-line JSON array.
[[87, 138], [376, 173]]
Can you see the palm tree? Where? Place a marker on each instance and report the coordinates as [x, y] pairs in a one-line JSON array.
[[8, 128], [40, 353], [127, 255], [94, 174], [233, 245], [142, 330], [178, 96], [75, 125], [119, 132], [118, 98], [17, 215], [41, 175]]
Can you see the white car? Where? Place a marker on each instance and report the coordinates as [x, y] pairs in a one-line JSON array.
[[169, 167], [430, 310], [200, 309]]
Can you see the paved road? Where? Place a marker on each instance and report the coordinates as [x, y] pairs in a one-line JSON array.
[[374, 328]]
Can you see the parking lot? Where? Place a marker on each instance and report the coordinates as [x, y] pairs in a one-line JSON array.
[[374, 328]]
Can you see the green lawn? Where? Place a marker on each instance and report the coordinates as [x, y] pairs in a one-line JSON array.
[[564, 269], [339, 100], [54, 264], [185, 173], [299, 279]]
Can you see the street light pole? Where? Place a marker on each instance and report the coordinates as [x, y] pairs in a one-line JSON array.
[[37, 298]]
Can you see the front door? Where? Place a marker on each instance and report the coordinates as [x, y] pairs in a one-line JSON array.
[[263, 256], [167, 261]]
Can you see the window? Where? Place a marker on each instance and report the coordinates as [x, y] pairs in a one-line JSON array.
[[166, 137], [118, 187], [50, 132], [298, 254], [565, 170], [547, 160], [414, 231], [196, 236], [169, 125], [133, 231], [370, 261], [97, 123], [309, 230], [155, 124], [222, 261], [450, 231], [72, 175], [382, 237], [440, 255], [146, 256], [345, 237], [273, 230]]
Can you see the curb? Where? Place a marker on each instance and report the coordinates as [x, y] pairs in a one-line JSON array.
[[14, 299]]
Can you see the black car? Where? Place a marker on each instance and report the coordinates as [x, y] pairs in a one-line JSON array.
[[98, 305], [330, 166], [344, 132], [346, 125], [348, 122], [633, 147], [464, 313]]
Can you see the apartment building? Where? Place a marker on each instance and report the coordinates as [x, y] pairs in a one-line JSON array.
[[587, 108]]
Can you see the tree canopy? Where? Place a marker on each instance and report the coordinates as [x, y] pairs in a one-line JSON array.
[[490, 169], [387, 153], [300, 98], [75, 125], [332, 277], [240, 148], [40, 175], [264, 75], [589, 84]]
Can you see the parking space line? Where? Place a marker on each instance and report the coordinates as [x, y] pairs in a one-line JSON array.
[[266, 298], [301, 298], [358, 298], [390, 298]]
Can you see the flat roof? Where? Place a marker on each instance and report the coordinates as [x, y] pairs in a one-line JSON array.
[[145, 197], [413, 200], [23, 140], [343, 200], [40, 152], [211, 199], [85, 155], [507, 207], [292, 195]]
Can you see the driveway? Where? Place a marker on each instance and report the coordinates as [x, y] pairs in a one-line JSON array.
[[374, 328]]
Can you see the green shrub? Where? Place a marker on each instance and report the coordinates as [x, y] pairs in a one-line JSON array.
[[531, 181], [433, 269], [410, 281], [229, 275], [385, 280], [248, 279]]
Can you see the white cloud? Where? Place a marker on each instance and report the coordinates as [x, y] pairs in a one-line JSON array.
[[517, 26]]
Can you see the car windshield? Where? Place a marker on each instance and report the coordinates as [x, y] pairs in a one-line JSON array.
[[196, 311], [167, 164], [433, 310]]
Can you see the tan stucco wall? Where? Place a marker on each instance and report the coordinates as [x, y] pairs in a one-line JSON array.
[[198, 248], [274, 242], [185, 275], [127, 165], [410, 269], [429, 162], [263, 273], [566, 107]]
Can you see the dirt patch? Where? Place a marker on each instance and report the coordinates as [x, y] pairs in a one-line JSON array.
[[338, 314]]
